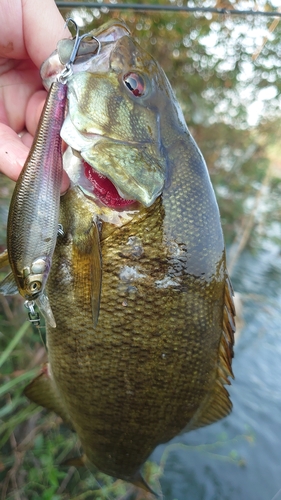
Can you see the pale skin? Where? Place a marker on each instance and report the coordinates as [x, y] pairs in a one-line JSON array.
[[30, 30]]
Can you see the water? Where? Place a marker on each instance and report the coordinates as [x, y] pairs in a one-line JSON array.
[[240, 457]]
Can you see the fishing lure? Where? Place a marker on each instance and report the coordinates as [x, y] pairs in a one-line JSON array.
[[34, 210]]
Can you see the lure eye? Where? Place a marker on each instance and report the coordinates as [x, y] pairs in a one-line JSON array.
[[135, 83], [34, 286]]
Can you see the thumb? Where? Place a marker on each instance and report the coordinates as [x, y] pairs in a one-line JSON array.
[[43, 27]]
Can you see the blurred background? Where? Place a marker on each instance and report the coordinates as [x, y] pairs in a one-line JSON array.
[[226, 74]]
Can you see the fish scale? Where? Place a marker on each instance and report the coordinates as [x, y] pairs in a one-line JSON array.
[[127, 347]]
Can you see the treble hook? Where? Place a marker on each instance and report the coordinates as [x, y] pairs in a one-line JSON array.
[[33, 316], [76, 43], [78, 39]]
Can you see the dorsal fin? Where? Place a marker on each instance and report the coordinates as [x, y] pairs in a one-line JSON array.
[[218, 405]]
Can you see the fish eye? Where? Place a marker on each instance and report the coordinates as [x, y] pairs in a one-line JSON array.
[[135, 83]]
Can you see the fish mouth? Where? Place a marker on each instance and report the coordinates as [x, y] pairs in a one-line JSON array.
[[104, 172], [95, 184], [104, 189], [118, 171]]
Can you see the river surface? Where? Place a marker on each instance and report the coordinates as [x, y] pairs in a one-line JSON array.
[[240, 456]]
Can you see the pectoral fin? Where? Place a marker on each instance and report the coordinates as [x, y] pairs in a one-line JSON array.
[[42, 391], [8, 286], [88, 267], [96, 272]]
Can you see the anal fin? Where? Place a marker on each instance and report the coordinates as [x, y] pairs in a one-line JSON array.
[[42, 391]]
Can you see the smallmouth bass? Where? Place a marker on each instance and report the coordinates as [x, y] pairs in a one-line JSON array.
[[143, 244]]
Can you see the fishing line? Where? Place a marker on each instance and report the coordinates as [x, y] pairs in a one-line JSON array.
[[171, 8]]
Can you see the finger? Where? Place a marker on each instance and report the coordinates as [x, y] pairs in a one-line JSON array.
[[34, 109], [65, 182], [16, 88], [12, 41], [26, 138], [13, 153], [30, 28], [43, 28]]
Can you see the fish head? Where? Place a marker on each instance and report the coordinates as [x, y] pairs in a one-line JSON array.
[[122, 116]]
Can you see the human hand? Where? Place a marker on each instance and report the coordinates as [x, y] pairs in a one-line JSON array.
[[29, 33]]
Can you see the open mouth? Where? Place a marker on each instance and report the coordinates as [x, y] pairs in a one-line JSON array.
[[104, 189]]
